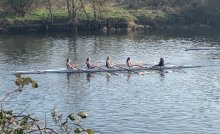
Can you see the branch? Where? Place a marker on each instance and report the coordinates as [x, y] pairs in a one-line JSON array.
[[24, 110], [7, 94], [19, 114], [42, 129], [84, 10]]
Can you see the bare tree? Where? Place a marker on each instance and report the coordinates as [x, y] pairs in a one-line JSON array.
[[98, 6], [83, 7], [49, 7], [72, 8], [68, 9], [20, 7]]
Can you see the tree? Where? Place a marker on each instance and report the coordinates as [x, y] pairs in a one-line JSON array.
[[98, 6], [20, 7], [49, 7], [72, 7]]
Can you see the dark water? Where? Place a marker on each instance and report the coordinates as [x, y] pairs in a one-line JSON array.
[[180, 101]]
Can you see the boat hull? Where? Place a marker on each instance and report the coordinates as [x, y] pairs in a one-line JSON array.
[[103, 69]]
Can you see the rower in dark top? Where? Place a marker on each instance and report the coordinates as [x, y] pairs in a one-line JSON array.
[[88, 64], [161, 63], [108, 63]]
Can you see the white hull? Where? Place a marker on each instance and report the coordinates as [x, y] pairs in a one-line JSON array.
[[102, 69]]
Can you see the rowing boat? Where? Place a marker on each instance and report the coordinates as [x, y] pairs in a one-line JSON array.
[[103, 69], [203, 48]]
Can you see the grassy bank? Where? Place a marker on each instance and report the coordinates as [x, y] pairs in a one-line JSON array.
[[100, 14], [61, 15]]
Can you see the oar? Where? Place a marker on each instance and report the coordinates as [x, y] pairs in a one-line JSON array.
[[80, 69], [107, 70], [77, 68], [127, 69]]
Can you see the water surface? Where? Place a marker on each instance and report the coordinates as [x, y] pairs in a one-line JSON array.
[[180, 101]]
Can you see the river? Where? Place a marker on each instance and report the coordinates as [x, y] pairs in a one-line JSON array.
[[175, 102]]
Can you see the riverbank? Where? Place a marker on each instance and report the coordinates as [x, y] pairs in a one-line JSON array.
[[104, 26], [39, 22], [43, 26]]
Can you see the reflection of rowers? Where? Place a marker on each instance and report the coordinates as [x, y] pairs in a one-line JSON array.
[[89, 64], [129, 64]]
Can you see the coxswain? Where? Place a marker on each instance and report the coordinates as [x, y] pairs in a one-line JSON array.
[[108, 63], [161, 63]]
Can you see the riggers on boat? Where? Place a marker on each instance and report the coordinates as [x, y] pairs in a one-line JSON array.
[[103, 69], [203, 48]]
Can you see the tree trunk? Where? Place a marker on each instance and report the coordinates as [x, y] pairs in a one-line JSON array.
[[69, 11], [94, 9], [84, 10], [74, 14], [50, 11]]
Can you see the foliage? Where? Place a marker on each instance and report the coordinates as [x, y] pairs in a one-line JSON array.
[[171, 12], [119, 14], [9, 121], [20, 7], [22, 81], [72, 118], [148, 14], [12, 123]]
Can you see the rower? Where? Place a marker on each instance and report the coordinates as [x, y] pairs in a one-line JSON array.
[[161, 63], [108, 63], [88, 64], [128, 62], [69, 65]]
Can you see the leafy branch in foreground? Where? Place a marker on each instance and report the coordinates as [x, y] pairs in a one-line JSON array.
[[72, 119], [22, 81], [12, 123]]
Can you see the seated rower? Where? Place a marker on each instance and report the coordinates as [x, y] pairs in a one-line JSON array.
[[89, 65], [128, 62], [108, 63], [69, 65]]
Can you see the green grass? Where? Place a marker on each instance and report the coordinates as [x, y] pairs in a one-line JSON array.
[[110, 12], [42, 14], [119, 14], [148, 14], [113, 13], [35, 15]]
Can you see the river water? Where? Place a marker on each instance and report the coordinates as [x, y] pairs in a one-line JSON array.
[[175, 102]]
